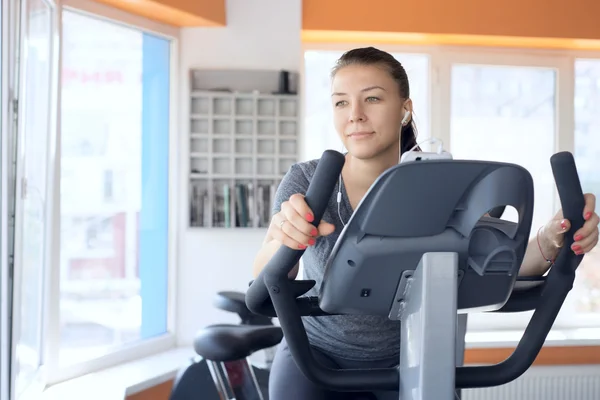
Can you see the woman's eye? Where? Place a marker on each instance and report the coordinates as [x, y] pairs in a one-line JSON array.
[[340, 103], [372, 99]]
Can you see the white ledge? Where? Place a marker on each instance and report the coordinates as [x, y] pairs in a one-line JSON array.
[[118, 382], [556, 338]]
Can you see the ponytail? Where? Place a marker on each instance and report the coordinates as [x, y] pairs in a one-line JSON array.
[[408, 137]]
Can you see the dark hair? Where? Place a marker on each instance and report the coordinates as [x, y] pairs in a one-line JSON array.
[[373, 56]]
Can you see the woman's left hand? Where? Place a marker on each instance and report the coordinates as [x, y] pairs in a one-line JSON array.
[[585, 239]]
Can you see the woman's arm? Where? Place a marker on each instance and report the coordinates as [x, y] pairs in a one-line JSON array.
[[294, 181], [266, 252], [550, 239], [535, 262]]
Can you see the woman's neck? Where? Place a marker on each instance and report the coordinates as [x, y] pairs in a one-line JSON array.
[[360, 174]]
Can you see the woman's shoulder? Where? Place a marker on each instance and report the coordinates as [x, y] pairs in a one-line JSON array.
[[307, 167], [301, 172], [296, 180]]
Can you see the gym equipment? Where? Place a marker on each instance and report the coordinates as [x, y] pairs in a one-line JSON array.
[[235, 302], [227, 349], [425, 255], [223, 368]]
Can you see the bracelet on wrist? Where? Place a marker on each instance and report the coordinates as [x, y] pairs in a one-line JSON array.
[[547, 259]]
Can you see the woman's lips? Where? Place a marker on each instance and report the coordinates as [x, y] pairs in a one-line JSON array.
[[360, 135]]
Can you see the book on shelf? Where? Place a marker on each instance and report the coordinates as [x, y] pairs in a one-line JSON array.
[[200, 206], [241, 205]]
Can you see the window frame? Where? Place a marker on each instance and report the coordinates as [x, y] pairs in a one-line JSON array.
[[7, 66], [36, 384], [442, 58], [142, 348]]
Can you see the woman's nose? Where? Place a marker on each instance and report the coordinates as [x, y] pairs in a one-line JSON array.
[[357, 114]]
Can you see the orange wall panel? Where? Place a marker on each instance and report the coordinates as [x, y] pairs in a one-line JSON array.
[[180, 13], [521, 18], [548, 356], [158, 392], [210, 10]]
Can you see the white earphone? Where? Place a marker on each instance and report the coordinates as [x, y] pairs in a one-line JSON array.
[[406, 117]]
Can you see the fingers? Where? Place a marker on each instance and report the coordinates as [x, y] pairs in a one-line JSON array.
[[555, 229], [304, 218], [560, 226], [285, 232], [590, 206], [586, 238], [325, 228], [586, 244], [299, 203], [563, 225], [292, 225], [588, 228], [296, 226]]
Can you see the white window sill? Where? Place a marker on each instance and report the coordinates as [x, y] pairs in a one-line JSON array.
[[118, 382], [556, 338]]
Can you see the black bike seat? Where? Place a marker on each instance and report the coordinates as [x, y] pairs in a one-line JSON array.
[[235, 342], [232, 301]]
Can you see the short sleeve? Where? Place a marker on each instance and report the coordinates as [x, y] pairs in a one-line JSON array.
[[294, 181]]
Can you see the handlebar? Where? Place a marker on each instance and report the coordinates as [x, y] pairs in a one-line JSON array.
[[558, 284], [572, 202], [317, 196], [273, 283]]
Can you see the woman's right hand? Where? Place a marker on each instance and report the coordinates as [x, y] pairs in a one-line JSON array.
[[293, 227]]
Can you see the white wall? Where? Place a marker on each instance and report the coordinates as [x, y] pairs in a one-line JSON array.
[[261, 34]]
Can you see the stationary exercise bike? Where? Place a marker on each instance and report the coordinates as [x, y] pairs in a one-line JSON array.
[[425, 254], [224, 352]]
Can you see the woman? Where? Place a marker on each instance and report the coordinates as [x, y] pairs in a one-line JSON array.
[[372, 115]]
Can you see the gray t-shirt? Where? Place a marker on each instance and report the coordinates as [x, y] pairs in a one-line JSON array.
[[353, 337]]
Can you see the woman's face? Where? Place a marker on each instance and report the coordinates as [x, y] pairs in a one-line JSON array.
[[367, 110]]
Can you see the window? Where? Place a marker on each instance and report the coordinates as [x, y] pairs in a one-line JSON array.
[[501, 105], [501, 113], [586, 299], [114, 186], [108, 185], [34, 193], [91, 238], [319, 132]]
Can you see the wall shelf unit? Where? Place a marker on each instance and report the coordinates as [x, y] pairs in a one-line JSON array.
[[243, 139]]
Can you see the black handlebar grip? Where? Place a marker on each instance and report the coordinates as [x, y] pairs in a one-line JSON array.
[[572, 202], [323, 182], [317, 197]]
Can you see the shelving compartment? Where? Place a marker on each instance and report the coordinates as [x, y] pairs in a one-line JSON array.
[[242, 140]]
